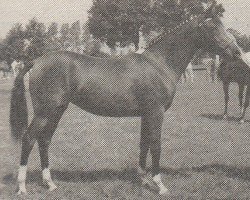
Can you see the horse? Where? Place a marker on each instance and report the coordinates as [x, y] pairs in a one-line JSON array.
[[238, 72], [136, 85]]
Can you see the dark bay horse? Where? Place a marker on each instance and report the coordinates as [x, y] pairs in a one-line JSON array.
[[238, 72], [141, 85]]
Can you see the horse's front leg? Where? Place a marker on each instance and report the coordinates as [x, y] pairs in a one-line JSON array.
[[151, 139], [246, 104], [241, 92], [144, 147], [226, 98]]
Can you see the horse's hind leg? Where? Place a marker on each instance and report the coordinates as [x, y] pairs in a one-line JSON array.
[[226, 97], [41, 128], [28, 140]]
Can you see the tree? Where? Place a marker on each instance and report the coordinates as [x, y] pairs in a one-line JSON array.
[[53, 30], [36, 33], [13, 45], [64, 35], [121, 20], [74, 34], [52, 41]]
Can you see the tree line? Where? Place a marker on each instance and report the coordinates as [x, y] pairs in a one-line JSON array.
[[35, 39], [111, 21]]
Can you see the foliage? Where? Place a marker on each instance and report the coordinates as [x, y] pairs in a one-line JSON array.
[[110, 20], [34, 40], [121, 20], [64, 32], [52, 42], [13, 45], [35, 33]]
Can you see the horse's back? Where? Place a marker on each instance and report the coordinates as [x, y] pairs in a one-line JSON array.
[[235, 71]]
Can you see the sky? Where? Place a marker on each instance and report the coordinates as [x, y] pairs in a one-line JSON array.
[[237, 13], [46, 11]]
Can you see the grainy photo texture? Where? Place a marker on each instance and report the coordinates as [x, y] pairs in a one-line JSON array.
[[124, 99]]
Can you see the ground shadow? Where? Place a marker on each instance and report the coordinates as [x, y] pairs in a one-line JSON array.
[[79, 176], [220, 117], [228, 171], [131, 174]]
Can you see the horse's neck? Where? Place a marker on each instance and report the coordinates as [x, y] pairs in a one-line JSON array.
[[176, 52]]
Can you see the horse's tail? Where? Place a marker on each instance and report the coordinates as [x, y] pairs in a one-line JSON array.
[[18, 105]]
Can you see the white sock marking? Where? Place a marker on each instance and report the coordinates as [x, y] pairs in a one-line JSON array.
[[22, 171], [47, 179], [157, 180]]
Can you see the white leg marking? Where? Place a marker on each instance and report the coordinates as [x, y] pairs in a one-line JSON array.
[[21, 179], [47, 179], [163, 189]]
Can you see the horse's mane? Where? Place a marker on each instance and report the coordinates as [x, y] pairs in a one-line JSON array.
[[184, 24]]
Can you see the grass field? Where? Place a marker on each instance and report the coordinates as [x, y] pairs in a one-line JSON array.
[[203, 156]]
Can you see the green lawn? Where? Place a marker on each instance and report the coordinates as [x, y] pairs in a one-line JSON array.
[[203, 156]]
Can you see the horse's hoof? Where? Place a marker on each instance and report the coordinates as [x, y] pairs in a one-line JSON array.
[[50, 185], [162, 189]]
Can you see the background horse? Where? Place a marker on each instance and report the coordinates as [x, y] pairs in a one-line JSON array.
[[238, 72], [208, 63], [188, 74], [5, 68], [136, 85]]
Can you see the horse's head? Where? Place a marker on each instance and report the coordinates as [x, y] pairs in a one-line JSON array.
[[213, 36]]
